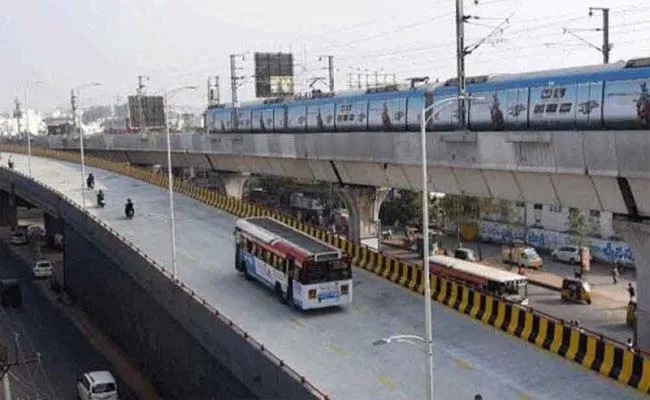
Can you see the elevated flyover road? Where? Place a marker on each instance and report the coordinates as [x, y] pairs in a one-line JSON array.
[[333, 348]]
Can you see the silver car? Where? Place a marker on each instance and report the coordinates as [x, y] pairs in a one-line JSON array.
[[567, 254]]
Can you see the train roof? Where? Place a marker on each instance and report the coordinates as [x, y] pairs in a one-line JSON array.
[[483, 271], [631, 69], [278, 235], [638, 68]]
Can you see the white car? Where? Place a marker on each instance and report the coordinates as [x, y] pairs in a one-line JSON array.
[[97, 385], [567, 254], [19, 238], [43, 269]]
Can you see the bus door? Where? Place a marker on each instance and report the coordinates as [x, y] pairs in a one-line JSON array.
[[291, 268]]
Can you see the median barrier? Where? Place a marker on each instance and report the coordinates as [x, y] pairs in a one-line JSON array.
[[593, 351]]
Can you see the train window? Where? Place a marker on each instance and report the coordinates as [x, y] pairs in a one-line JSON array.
[[547, 93], [539, 109], [559, 93], [565, 107], [551, 108], [351, 117]]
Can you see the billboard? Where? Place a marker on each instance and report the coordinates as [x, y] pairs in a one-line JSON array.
[[273, 74], [149, 108]]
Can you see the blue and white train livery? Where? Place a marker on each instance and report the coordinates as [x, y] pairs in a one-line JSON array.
[[614, 96]]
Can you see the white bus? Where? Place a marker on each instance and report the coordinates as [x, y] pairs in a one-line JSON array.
[[493, 281], [303, 271]]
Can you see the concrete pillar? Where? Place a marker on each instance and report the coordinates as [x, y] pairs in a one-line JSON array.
[[233, 183], [52, 226], [8, 210], [637, 236], [362, 203]]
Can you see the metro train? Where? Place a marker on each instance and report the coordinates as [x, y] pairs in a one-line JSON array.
[[613, 96]]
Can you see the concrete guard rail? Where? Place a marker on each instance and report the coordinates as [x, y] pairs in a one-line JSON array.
[[591, 350], [272, 358]]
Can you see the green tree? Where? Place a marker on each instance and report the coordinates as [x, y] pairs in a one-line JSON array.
[[405, 209], [579, 226], [461, 208]]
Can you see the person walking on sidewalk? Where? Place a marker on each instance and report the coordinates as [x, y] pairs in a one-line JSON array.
[[615, 273], [631, 291]]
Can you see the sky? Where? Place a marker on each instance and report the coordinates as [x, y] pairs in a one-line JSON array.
[[50, 47]]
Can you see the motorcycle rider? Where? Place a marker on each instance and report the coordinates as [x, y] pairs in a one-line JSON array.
[[10, 162], [100, 198], [90, 181], [128, 208]]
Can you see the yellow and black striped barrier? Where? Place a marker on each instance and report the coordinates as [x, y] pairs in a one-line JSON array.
[[592, 352]]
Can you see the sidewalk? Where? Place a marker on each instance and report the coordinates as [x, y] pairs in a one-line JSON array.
[[606, 314], [549, 277], [120, 363]]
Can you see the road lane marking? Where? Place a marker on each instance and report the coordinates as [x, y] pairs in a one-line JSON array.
[[387, 382], [463, 364], [337, 349]]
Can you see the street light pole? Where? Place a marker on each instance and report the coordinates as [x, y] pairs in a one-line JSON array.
[[428, 339], [29, 132], [81, 142], [172, 221], [425, 254]]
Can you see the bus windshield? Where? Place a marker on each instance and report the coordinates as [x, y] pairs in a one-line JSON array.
[[327, 271]]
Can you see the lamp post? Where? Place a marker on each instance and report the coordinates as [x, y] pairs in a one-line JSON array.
[[29, 133], [168, 94], [428, 339], [81, 141]]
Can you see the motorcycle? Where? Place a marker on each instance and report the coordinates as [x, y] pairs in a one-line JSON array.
[[100, 201], [129, 213]]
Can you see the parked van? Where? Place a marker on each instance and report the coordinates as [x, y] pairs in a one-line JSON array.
[[97, 385]]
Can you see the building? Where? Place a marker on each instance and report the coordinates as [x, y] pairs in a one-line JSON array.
[[593, 223]]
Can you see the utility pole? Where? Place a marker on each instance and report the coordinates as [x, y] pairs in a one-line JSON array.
[[233, 79], [460, 61], [18, 114], [607, 47], [140, 93], [330, 68], [234, 84], [73, 104]]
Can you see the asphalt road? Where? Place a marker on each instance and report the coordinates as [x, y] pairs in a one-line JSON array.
[[39, 327], [333, 348]]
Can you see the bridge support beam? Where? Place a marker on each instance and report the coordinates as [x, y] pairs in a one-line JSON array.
[[637, 236], [8, 210], [52, 226], [363, 203], [233, 183]]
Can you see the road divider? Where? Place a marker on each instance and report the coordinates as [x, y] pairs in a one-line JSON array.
[[590, 350]]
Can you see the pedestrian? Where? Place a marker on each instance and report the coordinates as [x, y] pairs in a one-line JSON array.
[[630, 345], [615, 273], [631, 291]]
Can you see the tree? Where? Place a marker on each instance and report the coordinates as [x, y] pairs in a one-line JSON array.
[[578, 226], [405, 209], [461, 209]]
